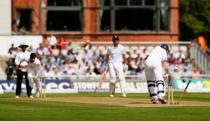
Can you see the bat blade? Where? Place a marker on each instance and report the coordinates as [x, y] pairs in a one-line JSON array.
[[101, 80]]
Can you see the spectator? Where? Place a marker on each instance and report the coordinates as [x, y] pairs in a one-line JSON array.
[[11, 63], [176, 73], [186, 73], [144, 53], [52, 40], [62, 42], [55, 51], [11, 49], [87, 45], [195, 73], [94, 56], [96, 69]]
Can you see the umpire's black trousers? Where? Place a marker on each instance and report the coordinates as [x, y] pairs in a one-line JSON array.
[[20, 75]]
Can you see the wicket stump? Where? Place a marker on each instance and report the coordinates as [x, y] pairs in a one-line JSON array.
[[170, 91], [43, 88]]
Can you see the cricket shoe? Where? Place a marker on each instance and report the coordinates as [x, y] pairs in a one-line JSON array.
[[124, 95], [31, 97], [37, 95], [154, 102], [17, 97], [111, 95], [163, 101]]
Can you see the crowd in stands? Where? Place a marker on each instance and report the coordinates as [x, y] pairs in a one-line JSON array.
[[88, 59]]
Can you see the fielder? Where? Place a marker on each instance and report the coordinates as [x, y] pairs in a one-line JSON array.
[[153, 73], [34, 73], [115, 58]]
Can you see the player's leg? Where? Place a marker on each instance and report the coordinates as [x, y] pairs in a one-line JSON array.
[[28, 87], [160, 84], [31, 84], [38, 87], [18, 83], [151, 84], [30, 79], [120, 73], [112, 75]]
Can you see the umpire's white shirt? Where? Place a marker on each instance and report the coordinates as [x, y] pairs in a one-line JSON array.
[[22, 57], [34, 68], [115, 53]]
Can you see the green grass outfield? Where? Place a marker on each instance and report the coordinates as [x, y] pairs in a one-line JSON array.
[[12, 109]]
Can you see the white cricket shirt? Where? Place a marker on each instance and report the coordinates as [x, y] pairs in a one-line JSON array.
[[34, 69], [116, 53], [156, 56]]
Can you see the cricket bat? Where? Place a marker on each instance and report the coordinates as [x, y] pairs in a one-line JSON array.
[[102, 79], [185, 90]]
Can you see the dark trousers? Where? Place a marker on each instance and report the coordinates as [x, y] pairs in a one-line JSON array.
[[20, 75], [9, 73]]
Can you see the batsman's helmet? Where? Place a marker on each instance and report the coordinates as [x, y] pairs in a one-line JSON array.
[[165, 46], [33, 55], [115, 37]]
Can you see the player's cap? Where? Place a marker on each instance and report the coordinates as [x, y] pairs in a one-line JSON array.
[[165, 46], [22, 45], [115, 37]]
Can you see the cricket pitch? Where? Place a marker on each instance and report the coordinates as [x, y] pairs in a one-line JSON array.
[[120, 101]]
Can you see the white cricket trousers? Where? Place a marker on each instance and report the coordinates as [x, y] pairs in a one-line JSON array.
[[115, 73], [155, 81], [35, 80]]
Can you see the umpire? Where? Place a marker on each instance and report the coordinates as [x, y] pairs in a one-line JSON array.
[[21, 62]]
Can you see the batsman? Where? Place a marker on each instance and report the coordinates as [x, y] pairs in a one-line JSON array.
[[115, 59], [153, 73], [34, 73]]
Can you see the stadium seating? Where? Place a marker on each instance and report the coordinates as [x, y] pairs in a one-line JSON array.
[[83, 61]]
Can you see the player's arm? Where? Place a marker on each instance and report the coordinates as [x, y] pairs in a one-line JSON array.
[[165, 64], [107, 58], [124, 55], [124, 59], [107, 55], [38, 67], [17, 61]]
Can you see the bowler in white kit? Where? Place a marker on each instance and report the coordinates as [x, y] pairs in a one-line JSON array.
[[153, 72], [115, 59]]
